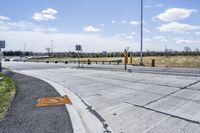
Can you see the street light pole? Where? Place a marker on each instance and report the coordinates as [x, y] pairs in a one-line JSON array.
[[24, 48], [52, 46], [141, 47]]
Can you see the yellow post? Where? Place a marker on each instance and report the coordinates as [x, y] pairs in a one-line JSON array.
[[125, 58]]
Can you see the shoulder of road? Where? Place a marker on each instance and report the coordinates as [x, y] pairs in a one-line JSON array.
[[24, 116]]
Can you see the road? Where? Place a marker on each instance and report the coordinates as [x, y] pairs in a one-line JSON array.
[[153, 100]]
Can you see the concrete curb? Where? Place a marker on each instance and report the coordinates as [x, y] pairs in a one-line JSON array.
[[77, 124]]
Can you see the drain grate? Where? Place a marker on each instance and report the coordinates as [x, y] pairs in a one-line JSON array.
[[53, 101]]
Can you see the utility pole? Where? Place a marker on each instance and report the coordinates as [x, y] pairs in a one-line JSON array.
[[141, 47]]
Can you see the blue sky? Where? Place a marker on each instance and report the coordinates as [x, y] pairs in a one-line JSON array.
[[99, 25]]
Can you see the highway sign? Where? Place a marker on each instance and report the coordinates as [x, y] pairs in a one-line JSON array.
[[78, 48], [2, 44]]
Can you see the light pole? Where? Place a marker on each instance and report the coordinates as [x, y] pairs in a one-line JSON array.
[[141, 41], [24, 48], [52, 46]]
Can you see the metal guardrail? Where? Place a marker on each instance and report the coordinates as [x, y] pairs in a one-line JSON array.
[[76, 61]]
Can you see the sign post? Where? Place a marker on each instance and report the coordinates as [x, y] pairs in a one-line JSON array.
[[2, 45], [78, 48], [125, 59]]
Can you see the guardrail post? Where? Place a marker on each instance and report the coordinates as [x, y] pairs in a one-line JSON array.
[[131, 59], [89, 62], [153, 63]]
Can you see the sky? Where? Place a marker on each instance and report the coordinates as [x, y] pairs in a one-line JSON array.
[[99, 25]]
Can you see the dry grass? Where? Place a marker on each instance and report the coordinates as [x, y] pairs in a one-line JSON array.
[[172, 61], [160, 61]]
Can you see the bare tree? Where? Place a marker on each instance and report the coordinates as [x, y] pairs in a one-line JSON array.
[[187, 49], [196, 50], [48, 50]]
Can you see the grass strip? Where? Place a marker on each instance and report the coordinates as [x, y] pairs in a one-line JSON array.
[[7, 93]]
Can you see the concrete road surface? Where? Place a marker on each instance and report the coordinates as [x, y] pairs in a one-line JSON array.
[[131, 101]]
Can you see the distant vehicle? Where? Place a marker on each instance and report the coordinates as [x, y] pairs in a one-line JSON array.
[[20, 59], [7, 59]]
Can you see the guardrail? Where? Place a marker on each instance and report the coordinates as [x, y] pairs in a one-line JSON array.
[[117, 62]]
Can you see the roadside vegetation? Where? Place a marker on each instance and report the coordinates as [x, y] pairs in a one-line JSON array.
[[187, 58], [7, 93], [185, 61]]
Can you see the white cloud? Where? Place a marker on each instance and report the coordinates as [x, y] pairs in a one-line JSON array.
[[197, 33], [24, 26], [124, 36], [160, 38], [102, 25], [177, 27], [147, 6], [159, 5], [174, 14], [91, 29], [48, 14], [146, 40], [21, 25], [183, 41], [134, 22], [49, 11], [53, 29], [146, 30], [124, 21], [183, 32], [113, 21], [4, 27], [120, 35], [62, 41], [129, 37], [133, 33], [2, 18]]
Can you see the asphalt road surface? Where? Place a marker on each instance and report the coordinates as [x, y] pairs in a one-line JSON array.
[[25, 117], [153, 100]]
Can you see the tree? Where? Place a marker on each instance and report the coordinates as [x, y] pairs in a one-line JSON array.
[[196, 50], [187, 49], [48, 50]]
